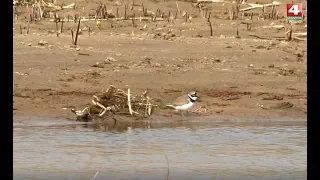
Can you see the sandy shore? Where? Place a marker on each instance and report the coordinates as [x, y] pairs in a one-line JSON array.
[[234, 77]]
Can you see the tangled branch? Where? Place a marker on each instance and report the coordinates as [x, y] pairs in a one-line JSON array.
[[116, 101]]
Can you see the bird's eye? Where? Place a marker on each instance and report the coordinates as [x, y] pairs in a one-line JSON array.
[[194, 94]]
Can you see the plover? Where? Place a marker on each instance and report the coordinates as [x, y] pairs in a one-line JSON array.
[[184, 105]]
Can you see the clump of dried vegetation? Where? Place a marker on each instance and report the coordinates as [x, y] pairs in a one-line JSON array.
[[116, 101]]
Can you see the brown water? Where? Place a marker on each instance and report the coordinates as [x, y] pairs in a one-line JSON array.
[[157, 150]]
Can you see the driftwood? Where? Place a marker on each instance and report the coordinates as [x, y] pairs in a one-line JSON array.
[[304, 34], [116, 101], [277, 38], [299, 39], [254, 6], [274, 26], [267, 37]]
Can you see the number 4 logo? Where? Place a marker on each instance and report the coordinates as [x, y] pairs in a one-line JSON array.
[[294, 9]]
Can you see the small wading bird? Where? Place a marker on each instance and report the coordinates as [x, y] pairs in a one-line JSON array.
[[186, 105]]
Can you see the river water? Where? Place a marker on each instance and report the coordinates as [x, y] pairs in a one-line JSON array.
[[159, 150]]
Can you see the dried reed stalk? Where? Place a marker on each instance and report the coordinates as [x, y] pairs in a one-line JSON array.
[[105, 14], [72, 36], [237, 11], [125, 11], [95, 175], [272, 11], [77, 33], [231, 14], [56, 21], [61, 28], [146, 110], [28, 27], [249, 26], [132, 5], [29, 14], [142, 6], [117, 14], [129, 102], [289, 34], [237, 32], [149, 107], [186, 17], [200, 9], [178, 9], [275, 14], [210, 25], [176, 15], [133, 17], [98, 11]]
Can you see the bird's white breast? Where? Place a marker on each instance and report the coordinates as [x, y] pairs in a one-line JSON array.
[[185, 106]]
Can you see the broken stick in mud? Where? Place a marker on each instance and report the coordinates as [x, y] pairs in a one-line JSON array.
[[75, 38], [210, 23]]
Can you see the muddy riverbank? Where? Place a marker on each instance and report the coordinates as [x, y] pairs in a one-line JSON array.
[[234, 77]]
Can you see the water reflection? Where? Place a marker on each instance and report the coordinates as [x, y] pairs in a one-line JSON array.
[[203, 150]]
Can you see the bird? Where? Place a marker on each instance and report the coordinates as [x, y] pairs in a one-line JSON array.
[[186, 105]]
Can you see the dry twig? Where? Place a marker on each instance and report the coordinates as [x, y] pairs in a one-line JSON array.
[[210, 23], [129, 102]]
